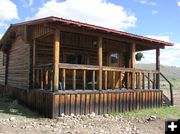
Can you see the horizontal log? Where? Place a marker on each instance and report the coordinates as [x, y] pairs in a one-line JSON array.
[[78, 67]]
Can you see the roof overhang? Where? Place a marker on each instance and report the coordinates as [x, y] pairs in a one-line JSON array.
[[51, 19]]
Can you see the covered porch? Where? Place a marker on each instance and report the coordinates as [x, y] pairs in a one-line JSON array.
[[67, 60]]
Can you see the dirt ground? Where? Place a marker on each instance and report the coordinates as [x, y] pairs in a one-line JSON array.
[[89, 124]]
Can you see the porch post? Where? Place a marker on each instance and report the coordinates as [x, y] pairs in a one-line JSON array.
[[133, 63], [100, 59], [157, 67], [133, 59], [56, 59], [34, 60]]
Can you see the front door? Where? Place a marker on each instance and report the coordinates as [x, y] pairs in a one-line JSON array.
[[113, 61]]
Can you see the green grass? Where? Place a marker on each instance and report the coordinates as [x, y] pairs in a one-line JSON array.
[[10, 108], [172, 112]]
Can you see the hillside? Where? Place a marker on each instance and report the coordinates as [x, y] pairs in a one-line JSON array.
[[171, 72]]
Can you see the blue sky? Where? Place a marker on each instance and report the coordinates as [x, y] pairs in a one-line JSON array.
[[153, 18]]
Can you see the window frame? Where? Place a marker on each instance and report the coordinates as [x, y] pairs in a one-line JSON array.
[[118, 57]]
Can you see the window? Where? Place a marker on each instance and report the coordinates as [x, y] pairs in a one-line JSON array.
[[71, 59], [75, 59], [114, 57], [4, 58]]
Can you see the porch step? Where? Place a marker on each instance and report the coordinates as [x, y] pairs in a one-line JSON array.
[[166, 100]]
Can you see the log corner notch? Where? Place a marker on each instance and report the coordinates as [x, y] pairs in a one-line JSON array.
[[133, 63], [56, 59], [100, 59], [158, 68]]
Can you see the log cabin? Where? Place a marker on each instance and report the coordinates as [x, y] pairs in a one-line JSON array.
[[55, 66]]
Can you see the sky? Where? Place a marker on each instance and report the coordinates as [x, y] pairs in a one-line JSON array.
[[159, 19]]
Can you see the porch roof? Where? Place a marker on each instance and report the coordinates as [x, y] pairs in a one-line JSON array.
[[89, 26]]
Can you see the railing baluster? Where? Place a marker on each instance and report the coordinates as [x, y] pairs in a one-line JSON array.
[[51, 81], [127, 79], [42, 78], [46, 78], [133, 80], [38, 79], [106, 79], [94, 77], [143, 81], [154, 80], [64, 78], [136, 79], [120, 81], [74, 79], [149, 80], [114, 79], [84, 79], [140, 80]]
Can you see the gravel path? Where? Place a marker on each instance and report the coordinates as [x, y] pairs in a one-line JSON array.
[[90, 124]]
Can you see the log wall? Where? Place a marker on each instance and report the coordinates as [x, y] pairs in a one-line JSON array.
[[2, 69], [76, 44], [19, 64]]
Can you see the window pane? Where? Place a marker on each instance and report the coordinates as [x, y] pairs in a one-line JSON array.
[[75, 59], [114, 58], [81, 59], [71, 59]]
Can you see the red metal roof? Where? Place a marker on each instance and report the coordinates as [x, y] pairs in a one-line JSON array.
[[56, 19]]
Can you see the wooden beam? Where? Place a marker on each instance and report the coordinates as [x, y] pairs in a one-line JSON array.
[[56, 59], [133, 62], [84, 79], [133, 59], [94, 80], [42, 78], [149, 77], [105, 80], [64, 78], [114, 79], [100, 54], [74, 79], [120, 80], [157, 68]]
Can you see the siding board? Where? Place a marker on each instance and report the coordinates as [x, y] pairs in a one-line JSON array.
[[19, 64]]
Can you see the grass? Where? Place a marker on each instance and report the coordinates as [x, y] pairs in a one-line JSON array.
[[165, 112], [10, 108]]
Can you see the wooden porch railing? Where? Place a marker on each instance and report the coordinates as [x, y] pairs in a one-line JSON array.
[[43, 76], [130, 78], [75, 76], [170, 89]]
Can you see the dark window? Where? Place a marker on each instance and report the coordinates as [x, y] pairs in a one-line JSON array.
[[71, 59], [114, 58], [4, 59], [75, 59], [81, 59]]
